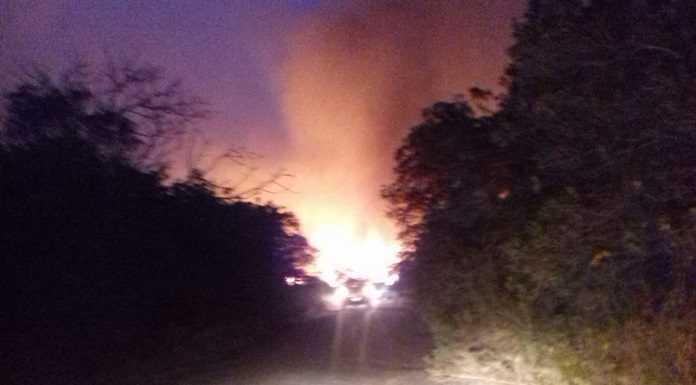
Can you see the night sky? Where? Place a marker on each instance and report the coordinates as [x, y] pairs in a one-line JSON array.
[[324, 90]]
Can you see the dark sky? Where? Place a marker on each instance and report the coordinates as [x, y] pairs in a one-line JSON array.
[[324, 89], [220, 49]]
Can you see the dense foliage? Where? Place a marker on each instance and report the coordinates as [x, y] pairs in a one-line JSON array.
[[566, 221], [103, 263]]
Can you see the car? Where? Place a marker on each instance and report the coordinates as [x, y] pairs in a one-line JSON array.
[[356, 292]]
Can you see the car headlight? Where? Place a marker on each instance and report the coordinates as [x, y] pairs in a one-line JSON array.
[[371, 292], [341, 293], [338, 296]]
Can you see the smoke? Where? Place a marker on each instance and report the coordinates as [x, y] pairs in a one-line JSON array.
[[356, 78]]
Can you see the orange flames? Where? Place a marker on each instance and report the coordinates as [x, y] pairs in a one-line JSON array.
[[342, 250]]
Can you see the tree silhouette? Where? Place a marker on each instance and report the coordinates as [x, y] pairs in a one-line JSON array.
[[102, 261], [123, 108], [567, 214]]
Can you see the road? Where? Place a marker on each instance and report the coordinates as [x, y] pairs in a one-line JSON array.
[[383, 346]]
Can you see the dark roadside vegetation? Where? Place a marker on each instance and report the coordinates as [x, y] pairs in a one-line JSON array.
[[553, 227], [110, 270]]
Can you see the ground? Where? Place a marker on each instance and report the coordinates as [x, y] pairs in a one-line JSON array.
[[382, 346], [354, 346]]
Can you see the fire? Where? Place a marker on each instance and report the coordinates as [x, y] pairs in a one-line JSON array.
[[342, 250], [350, 236]]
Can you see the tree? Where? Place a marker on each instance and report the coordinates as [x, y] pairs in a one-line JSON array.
[[594, 142], [603, 91], [105, 260], [451, 155], [125, 109]]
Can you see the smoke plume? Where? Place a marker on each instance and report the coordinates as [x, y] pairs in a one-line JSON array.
[[356, 78]]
